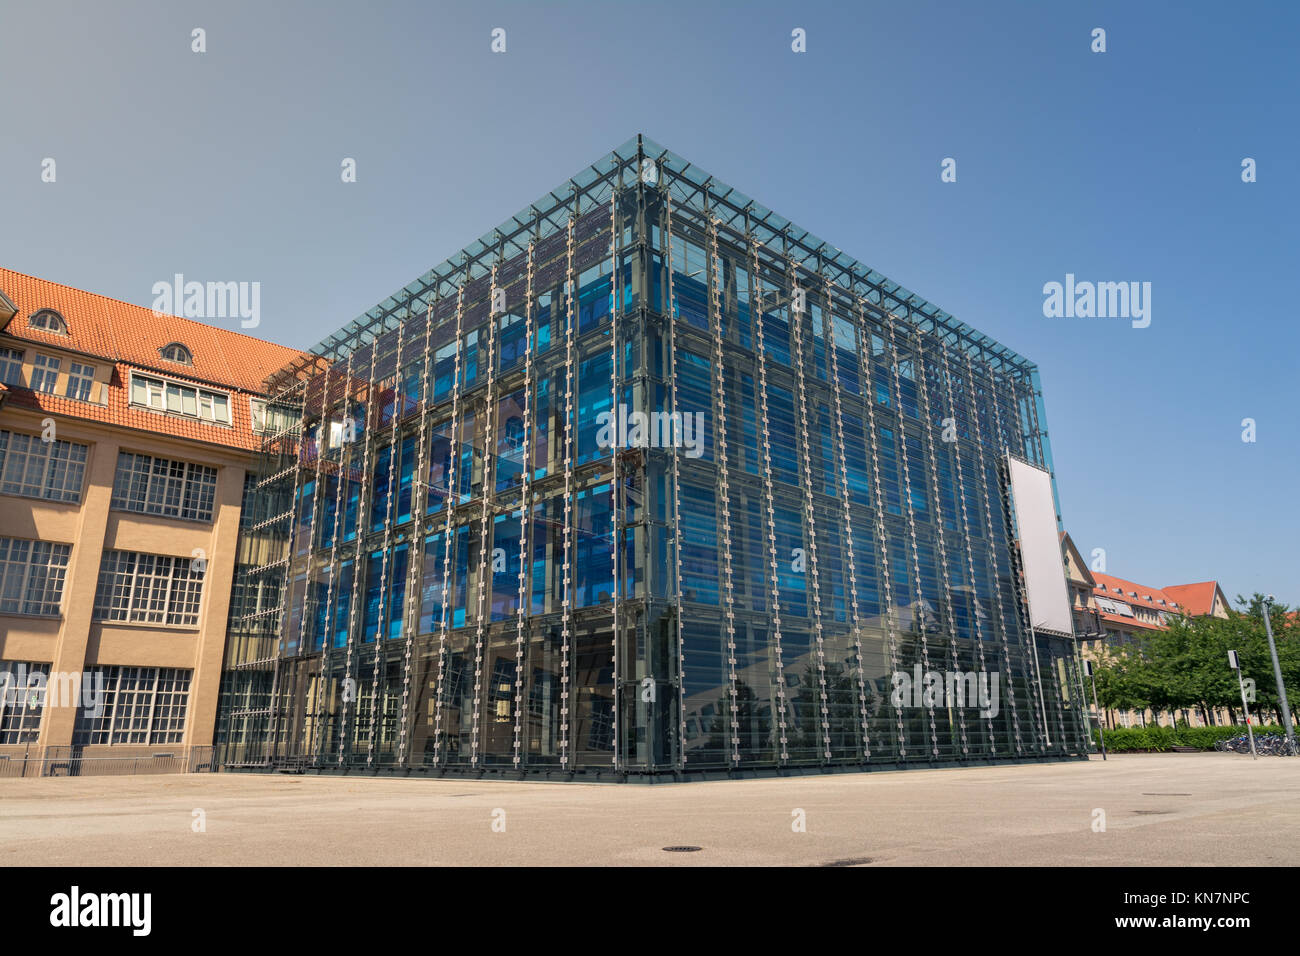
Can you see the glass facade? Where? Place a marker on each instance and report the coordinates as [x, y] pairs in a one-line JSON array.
[[646, 481]]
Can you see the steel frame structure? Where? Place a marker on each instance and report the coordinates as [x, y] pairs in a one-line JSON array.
[[436, 502]]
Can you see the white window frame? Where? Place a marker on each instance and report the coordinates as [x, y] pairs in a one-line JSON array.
[[20, 719], [155, 394], [131, 715], [11, 365], [167, 487], [80, 375], [58, 462], [220, 403], [178, 398], [46, 367], [17, 576], [155, 592]]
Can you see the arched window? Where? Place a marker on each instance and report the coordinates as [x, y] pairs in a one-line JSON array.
[[49, 320], [175, 352]]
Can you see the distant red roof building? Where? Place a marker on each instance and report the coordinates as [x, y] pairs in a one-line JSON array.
[[1199, 599], [1118, 591], [1193, 600], [126, 442], [1111, 612], [131, 338]]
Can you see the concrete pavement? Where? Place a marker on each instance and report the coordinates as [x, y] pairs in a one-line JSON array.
[[1159, 809]]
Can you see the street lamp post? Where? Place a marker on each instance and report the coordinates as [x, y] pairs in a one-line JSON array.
[[1235, 663], [1099, 634], [1101, 731], [1277, 675]]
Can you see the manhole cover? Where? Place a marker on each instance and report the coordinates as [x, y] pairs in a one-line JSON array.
[[682, 849], [852, 861]]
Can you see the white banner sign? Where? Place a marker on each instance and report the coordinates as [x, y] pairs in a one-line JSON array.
[[1040, 548]]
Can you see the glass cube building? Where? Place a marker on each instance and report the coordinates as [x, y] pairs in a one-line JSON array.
[[646, 481]]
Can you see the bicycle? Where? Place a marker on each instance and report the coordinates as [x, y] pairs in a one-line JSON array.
[[1267, 745]]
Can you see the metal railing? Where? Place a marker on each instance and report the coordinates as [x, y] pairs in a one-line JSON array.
[[69, 761]]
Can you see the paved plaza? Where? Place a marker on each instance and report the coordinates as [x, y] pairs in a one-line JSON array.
[[1159, 809]]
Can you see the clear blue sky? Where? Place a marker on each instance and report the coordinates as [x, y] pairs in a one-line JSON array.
[[1116, 166]]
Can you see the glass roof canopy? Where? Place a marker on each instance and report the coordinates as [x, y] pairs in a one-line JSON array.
[[689, 184]]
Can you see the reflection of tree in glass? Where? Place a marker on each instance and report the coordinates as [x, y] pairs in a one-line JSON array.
[[754, 720], [841, 707]]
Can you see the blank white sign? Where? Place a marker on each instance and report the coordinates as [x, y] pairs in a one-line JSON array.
[[1040, 548]]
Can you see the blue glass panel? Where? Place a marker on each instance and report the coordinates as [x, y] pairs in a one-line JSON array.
[[395, 613], [776, 337], [781, 432], [465, 468], [431, 584], [752, 556], [595, 384], [373, 597], [542, 323], [412, 378], [444, 370], [749, 425], [306, 502], [594, 301], [405, 479], [791, 562], [695, 398], [512, 343], [505, 566], [823, 443], [460, 575], [698, 529], [540, 440], [380, 495], [325, 524], [593, 558], [439, 465], [510, 441], [469, 366], [320, 612], [343, 603], [890, 482], [856, 464], [917, 481]]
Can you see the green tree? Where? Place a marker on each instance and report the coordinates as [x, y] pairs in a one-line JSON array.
[[1186, 665], [1120, 680]]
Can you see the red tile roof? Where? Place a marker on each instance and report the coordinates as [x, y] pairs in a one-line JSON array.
[[1130, 622], [1194, 600], [130, 336], [1197, 599], [98, 325], [1147, 596]]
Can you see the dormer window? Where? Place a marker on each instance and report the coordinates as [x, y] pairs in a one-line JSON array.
[[177, 399], [49, 321], [175, 352]]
